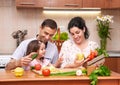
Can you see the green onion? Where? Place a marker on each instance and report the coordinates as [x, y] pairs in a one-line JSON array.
[[69, 73]]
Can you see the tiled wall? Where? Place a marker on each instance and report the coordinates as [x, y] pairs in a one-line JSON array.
[[12, 19]]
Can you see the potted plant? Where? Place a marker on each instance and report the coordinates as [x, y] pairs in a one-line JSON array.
[[103, 24]]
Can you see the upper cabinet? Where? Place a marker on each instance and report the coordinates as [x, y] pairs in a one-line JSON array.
[[32, 3], [68, 3], [93, 3], [25, 3], [49, 3], [112, 4]]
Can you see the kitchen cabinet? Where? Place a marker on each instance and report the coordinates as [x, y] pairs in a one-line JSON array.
[[112, 4], [32, 3], [43, 3], [113, 63], [25, 3], [93, 3], [49, 3], [66, 3]]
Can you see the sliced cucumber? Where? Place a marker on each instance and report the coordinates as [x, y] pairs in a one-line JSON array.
[[34, 56]]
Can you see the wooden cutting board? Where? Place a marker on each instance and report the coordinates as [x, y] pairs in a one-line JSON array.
[[39, 72]]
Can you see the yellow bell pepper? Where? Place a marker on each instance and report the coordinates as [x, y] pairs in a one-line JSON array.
[[19, 71]]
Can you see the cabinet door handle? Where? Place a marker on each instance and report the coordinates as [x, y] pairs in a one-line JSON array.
[[27, 3], [71, 5]]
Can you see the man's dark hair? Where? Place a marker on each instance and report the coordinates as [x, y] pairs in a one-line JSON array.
[[49, 23]]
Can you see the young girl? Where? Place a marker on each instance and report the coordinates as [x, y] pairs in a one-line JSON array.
[[37, 47]]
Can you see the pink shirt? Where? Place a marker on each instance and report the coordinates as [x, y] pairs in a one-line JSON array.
[[43, 63]]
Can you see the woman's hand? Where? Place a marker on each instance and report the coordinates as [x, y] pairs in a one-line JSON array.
[[78, 62]]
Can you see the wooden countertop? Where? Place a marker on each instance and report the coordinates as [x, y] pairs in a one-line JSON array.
[[30, 78], [29, 75]]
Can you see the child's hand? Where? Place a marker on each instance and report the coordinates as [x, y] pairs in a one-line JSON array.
[[27, 59], [31, 54], [59, 61]]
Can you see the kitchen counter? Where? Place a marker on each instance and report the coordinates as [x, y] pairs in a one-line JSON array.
[[114, 54], [30, 78]]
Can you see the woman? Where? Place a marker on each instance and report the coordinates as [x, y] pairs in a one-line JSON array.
[[78, 43]]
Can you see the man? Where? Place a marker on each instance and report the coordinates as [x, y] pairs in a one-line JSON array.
[[47, 30]]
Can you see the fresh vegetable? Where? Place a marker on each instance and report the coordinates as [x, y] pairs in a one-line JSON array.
[[37, 66], [79, 72], [80, 56], [18, 71], [51, 67], [84, 71], [65, 73], [92, 55], [101, 51], [101, 71], [32, 67], [46, 72], [69, 73], [34, 56], [62, 36]]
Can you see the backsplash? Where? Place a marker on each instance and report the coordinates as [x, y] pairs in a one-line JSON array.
[[4, 59], [12, 19]]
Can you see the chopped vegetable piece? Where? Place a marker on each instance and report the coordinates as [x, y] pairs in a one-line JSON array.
[[34, 56], [78, 72], [70, 73]]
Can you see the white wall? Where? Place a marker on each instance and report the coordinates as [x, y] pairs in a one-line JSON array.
[[12, 19]]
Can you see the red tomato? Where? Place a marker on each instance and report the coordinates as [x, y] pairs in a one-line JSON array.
[[95, 53], [90, 57], [37, 66], [92, 54], [46, 72]]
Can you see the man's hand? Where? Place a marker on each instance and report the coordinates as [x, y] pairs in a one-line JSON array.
[[24, 61]]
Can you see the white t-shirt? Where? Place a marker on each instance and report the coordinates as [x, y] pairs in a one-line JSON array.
[[51, 51], [69, 51]]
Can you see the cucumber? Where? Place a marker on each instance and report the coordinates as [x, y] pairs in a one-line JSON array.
[[34, 56]]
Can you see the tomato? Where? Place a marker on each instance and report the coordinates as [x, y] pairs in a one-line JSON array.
[[89, 57], [46, 72], [95, 53], [92, 54], [37, 66]]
